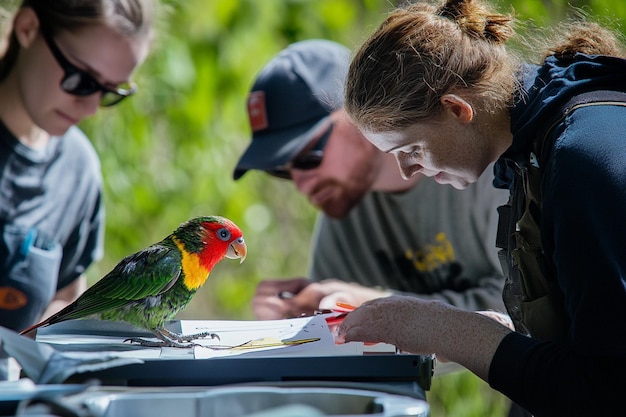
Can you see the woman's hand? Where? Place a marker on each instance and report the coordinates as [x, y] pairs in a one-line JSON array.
[[397, 320], [425, 327]]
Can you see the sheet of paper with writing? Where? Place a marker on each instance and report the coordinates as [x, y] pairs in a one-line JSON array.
[[306, 336], [260, 337]]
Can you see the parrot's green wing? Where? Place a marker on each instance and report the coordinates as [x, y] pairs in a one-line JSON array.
[[146, 273]]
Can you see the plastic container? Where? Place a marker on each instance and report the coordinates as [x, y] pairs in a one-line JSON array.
[[255, 401]]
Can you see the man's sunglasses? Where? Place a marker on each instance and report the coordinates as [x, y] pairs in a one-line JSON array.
[[310, 159], [80, 83]]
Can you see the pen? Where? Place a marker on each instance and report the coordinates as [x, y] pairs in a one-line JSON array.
[[283, 295], [27, 243]]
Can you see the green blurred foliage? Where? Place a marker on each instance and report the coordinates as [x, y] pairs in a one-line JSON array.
[[169, 152]]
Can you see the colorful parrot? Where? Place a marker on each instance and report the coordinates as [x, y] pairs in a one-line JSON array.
[[149, 287]]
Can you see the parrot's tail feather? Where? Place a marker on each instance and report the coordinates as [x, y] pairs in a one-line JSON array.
[[34, 326]]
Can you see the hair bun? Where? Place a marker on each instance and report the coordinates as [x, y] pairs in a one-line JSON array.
[[474, 19]]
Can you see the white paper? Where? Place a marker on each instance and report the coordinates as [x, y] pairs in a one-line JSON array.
[[305, 336]]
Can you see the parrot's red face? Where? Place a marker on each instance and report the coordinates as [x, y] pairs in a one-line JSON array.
[[223, 238], [204, 243]]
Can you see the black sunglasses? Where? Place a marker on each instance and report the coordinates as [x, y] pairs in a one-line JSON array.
[[305, 161], [80, 83]]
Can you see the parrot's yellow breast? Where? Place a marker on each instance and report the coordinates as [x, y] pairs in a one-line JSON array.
[[194, 273]]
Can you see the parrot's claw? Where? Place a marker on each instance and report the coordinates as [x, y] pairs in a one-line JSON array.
[[168, 336], [170, 339], [159, 344], [190, 337]]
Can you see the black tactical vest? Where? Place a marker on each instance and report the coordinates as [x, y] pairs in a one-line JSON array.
[[531, 294]]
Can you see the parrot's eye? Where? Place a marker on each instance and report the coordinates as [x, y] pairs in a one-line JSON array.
[[224, 234]]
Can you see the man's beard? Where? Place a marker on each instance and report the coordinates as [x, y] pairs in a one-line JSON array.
[[342, 199]]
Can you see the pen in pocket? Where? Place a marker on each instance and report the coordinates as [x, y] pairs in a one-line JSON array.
[[27, 244]]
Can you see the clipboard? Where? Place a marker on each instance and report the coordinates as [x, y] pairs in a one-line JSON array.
[[319, 360]]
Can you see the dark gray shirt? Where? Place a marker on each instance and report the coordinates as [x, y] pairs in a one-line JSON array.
[[51, 221], [433, 241]]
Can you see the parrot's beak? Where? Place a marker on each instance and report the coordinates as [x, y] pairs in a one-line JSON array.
[[237, 249]]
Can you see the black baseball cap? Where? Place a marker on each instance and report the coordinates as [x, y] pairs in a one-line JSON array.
[[291, 99]]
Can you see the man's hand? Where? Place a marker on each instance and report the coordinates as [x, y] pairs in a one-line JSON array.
[[275, 299], [295, 297]]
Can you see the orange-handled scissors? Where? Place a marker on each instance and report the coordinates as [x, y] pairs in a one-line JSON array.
[[343, 309], [334, 321]]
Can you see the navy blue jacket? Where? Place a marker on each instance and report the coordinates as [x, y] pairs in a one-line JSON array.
[[583, 231]]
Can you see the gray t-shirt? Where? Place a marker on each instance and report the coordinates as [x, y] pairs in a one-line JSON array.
[[433, 241], [51, 221]]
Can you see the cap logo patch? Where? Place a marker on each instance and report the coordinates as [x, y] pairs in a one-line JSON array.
[[256, 111]]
